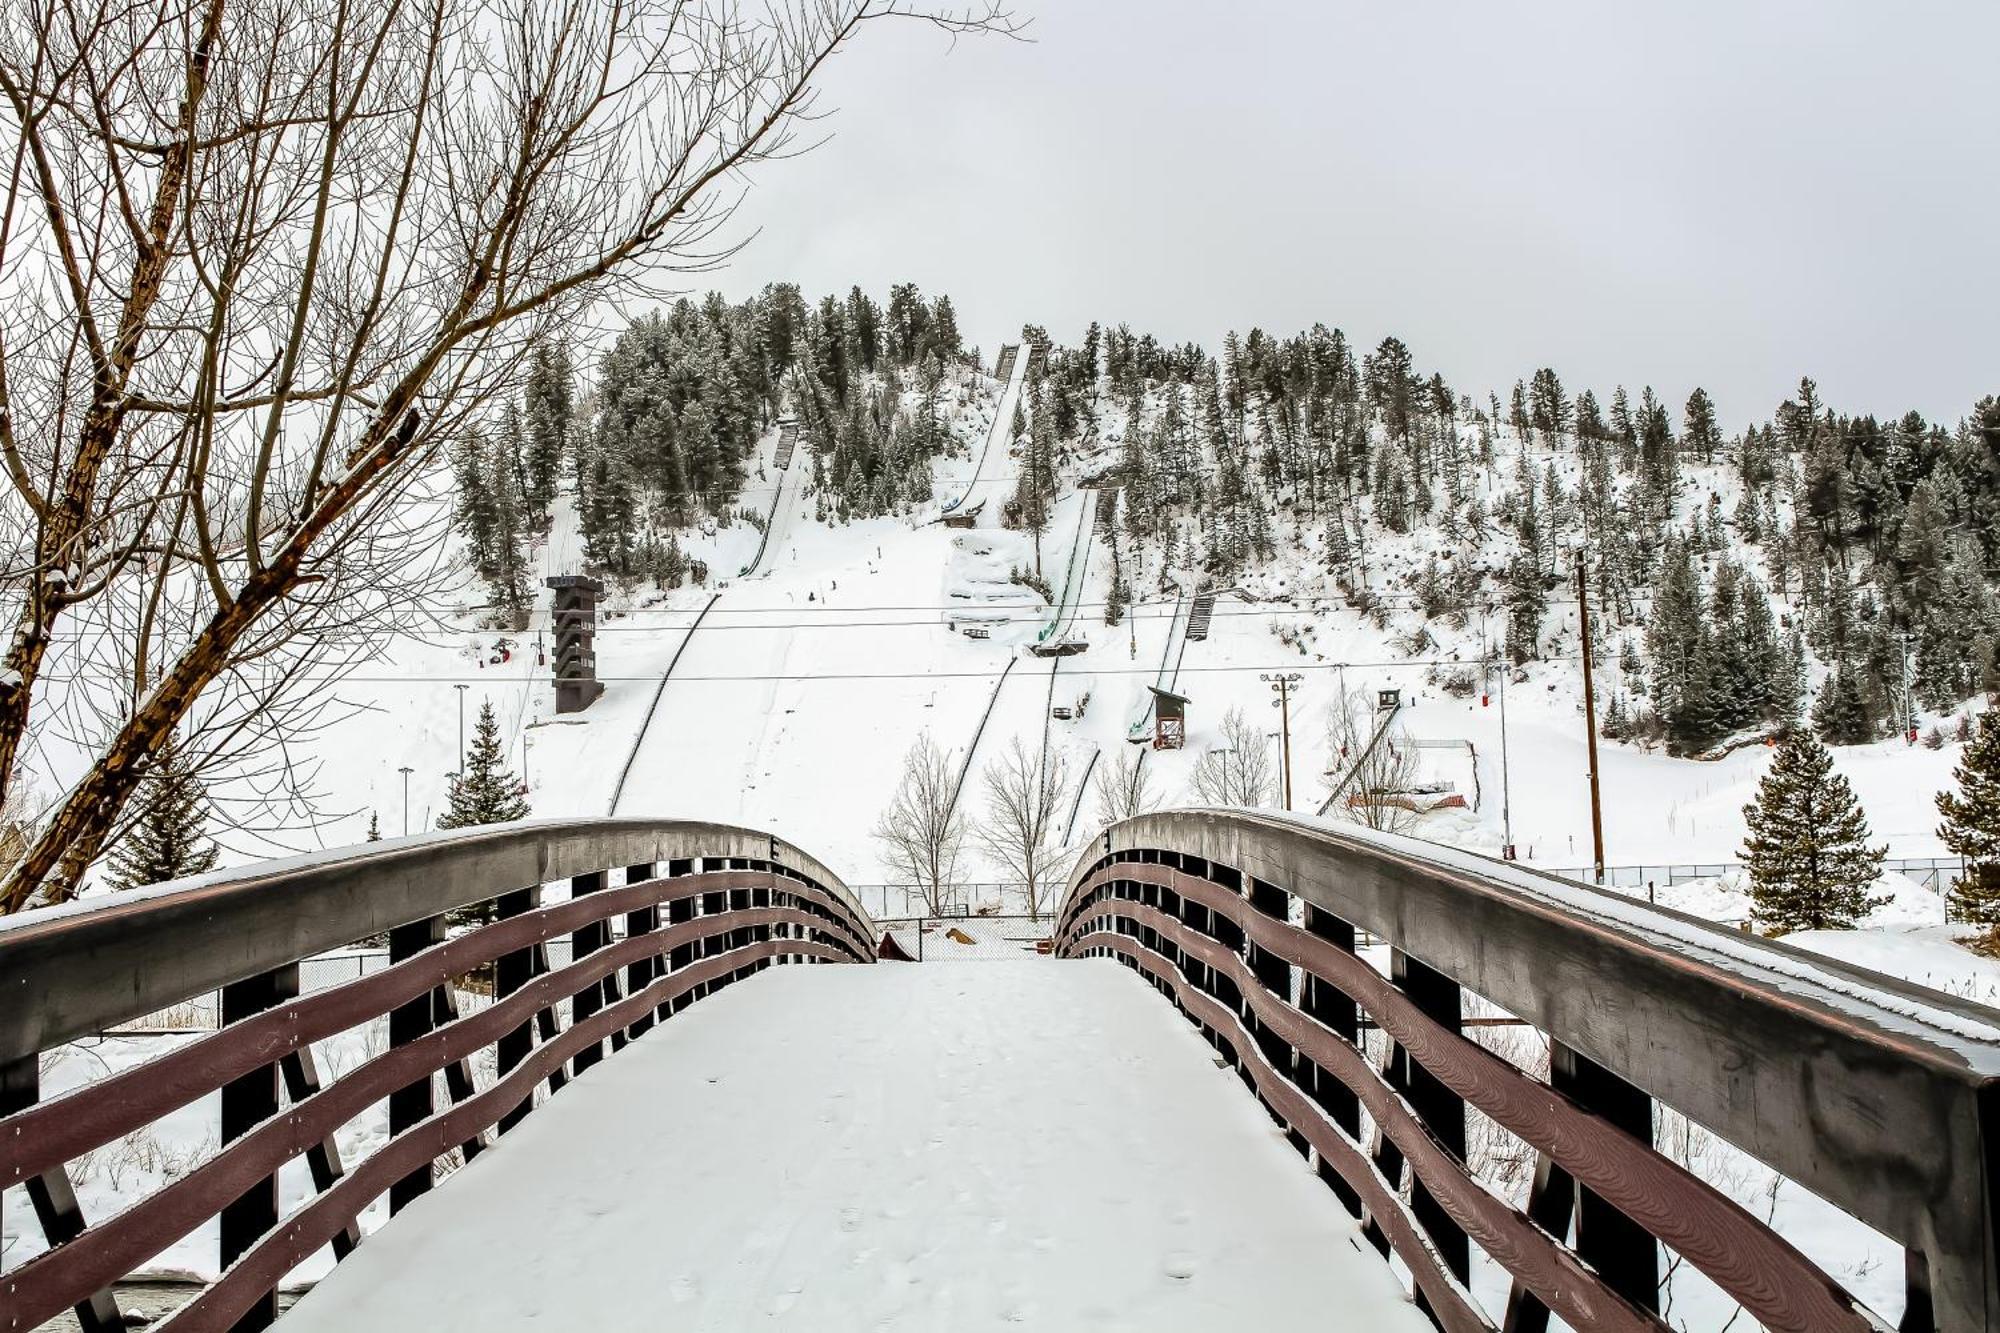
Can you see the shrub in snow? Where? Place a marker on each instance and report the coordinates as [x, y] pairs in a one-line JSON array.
[[1808, 855]]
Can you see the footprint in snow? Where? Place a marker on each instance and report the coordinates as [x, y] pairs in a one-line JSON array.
[[1179, 1266]]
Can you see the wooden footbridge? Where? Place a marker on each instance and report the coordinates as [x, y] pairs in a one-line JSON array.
[[1244, 1093]]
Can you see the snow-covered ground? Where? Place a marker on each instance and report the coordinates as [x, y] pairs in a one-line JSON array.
[[887, 1147]]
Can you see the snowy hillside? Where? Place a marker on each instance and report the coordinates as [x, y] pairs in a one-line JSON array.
[[821, 617]]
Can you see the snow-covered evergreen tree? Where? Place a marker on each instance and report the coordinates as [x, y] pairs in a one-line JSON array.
[[1807, 851], [1971, 826], [487, 792], [169, 839]]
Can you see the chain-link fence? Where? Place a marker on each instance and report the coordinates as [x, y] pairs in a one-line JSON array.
[[1935, 873], [969, 939]]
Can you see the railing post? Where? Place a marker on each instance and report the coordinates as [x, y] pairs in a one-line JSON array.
[[1274, 974], [409, 1022], [712, 904], [680, 910], [739, 901], [1221, 985], [639, 973], [1335, 1010], [53, 1197], [584, 941], [1621, 1250], [1441, 1109], [301, 1074], [247, 1102], [512, 971], [1958, 1285], [1200, 921]]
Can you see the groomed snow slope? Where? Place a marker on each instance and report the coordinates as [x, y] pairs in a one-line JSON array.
[[1036, 1143]]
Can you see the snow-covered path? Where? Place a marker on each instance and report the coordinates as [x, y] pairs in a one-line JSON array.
[[892, 1147]]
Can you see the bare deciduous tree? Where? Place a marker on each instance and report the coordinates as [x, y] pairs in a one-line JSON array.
[[1125, 786], [1023, 826], [1237, 772], [923, 829], [1370, 765], [259, 263]]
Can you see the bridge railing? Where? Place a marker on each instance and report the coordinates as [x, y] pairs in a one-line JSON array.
[[702, 905], [1875, 1095]]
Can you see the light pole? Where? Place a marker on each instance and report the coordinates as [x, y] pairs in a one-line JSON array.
[[406, 770], [1282, 682], [1506, 797], [461, 688], [1225, 751]]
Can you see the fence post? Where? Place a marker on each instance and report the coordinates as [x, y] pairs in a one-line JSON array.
[[412, 1021]]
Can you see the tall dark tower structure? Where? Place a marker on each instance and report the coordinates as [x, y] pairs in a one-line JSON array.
[[575, 617]]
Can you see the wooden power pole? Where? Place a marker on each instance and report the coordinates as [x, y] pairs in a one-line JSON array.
[[1283, 683], [1590, 723]]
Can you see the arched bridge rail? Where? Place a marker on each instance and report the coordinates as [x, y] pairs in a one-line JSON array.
[[1875, 1095], [701, 906]]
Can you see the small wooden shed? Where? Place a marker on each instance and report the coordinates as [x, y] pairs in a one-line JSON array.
[[1169, 719]]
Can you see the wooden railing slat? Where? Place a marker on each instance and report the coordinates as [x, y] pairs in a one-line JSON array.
[[108, 1251], [1750, 1262]]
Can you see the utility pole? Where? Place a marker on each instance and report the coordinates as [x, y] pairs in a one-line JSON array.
[[1590, 722], [461, 688], [1282, 683], [406, 770]]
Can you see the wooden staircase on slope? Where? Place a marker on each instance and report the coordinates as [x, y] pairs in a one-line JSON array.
[[1199, 616]]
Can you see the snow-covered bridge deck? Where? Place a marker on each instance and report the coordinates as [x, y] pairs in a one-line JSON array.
[[1042, 1143]]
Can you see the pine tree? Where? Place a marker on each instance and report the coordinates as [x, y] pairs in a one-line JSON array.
[[1807, 851], [1527, 602], [169, 839], [487, 792], [1971, 828], [1841, 713], [545, 402], [374, 827]]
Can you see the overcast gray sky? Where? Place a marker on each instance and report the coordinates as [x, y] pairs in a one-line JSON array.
[[1715, 192]]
